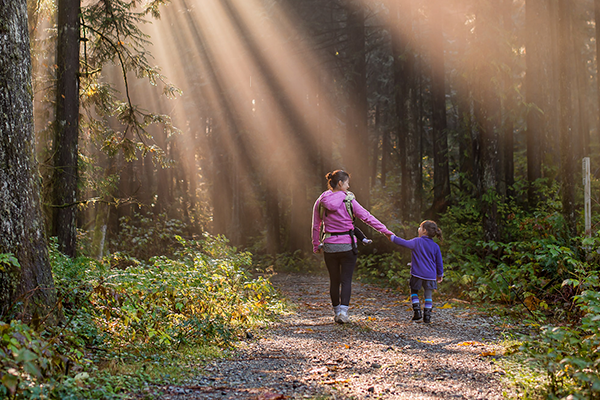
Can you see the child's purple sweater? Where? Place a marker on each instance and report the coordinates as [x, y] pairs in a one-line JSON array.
[[426, 257]]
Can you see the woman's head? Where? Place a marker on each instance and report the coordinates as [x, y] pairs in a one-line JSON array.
[[430, 229], [335, 177]]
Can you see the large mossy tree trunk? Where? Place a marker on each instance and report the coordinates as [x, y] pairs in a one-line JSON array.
[[21, 224]]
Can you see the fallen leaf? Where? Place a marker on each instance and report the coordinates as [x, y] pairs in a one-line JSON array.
[[487, 353], [446, 306], [470, 344], [334, 381]]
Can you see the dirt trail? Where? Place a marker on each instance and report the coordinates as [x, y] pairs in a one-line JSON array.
[[381, 354]]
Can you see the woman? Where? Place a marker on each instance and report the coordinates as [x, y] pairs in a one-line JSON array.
[[333, 219]]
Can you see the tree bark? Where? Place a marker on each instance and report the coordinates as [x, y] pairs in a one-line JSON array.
[[488, 106], [21, 228], [535, 99], [409, 139], [356, 156], [597, 23], [65, 148], [508, 167], [441, 169], [565, 105]]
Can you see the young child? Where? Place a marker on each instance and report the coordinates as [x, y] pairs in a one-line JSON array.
[[427, 268]]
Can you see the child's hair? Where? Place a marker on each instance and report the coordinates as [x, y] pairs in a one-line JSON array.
[[333, 178], [432, 229]]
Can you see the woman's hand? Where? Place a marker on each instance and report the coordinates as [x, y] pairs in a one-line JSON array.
[[389, 236]]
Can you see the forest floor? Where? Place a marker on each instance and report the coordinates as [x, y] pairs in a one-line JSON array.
[[381, 354]]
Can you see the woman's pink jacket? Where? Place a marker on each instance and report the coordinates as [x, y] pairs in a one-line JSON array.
[[337, 218]]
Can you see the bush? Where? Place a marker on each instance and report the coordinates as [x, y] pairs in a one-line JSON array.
[[568, 355], [130, 310], [146, 236]]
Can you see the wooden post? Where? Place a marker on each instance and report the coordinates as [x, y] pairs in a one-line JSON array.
[[587, 196]]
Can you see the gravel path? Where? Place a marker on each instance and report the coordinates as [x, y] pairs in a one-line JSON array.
[[381, 354]]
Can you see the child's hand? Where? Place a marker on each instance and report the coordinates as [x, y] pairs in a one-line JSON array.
[[439, 279], [389, 236]]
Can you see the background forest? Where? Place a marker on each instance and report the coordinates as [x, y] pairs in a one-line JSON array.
[[161, 123], [427, 105]]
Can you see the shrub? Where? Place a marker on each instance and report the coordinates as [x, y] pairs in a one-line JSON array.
[[130, 310], [568, 354]]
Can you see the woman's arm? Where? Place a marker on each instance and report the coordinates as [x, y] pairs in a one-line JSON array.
[[367, 218], [316, 226]]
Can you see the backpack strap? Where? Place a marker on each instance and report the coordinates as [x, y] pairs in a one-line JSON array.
[[348, 202], [323, 213]]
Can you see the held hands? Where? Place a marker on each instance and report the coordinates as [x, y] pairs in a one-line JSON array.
[[389, 236]]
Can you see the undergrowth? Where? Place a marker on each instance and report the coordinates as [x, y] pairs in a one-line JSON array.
[[129, 323]]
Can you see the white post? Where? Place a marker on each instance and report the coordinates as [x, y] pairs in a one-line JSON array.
[[587, 184]]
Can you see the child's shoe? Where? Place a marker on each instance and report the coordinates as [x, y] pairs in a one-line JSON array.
[[343, 316], [367, 241], [417, 312], [427, 315]]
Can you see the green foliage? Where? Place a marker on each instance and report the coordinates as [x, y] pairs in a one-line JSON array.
[[567, 355], [296, 262], [146, 236], [391, 268], [202, 296], [29, 362], [112, 34], [123, 312], [8, 259]]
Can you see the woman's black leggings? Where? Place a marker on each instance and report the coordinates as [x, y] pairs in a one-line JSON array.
[[340, 267]]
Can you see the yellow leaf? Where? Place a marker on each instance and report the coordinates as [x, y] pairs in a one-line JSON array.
[[488, 353], [470, 344], [446, 306]]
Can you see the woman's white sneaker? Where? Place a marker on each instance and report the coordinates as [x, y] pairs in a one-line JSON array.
[[343, 316]]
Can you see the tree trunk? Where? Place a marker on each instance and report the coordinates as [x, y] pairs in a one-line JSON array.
[[409, 139], [273, 222], [65, 149], [463, 106], [441, 169], [356, 157], [565, 102], [488, 117], [597, 24], [508, 167], [535, 99], [21, 227]]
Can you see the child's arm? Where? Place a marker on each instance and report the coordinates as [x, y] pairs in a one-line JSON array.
[[402, 242], [439, 265]]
